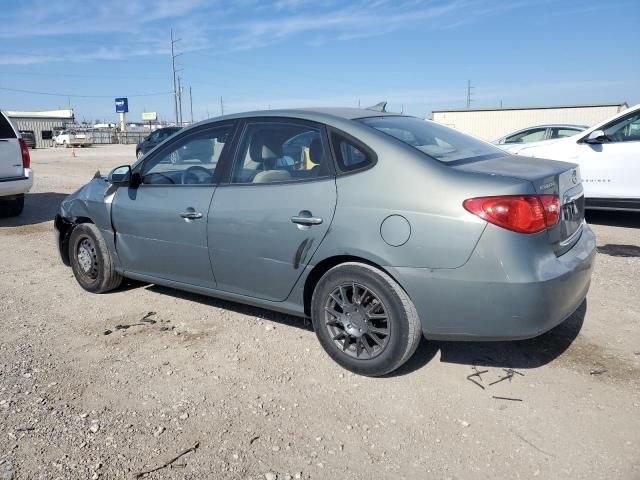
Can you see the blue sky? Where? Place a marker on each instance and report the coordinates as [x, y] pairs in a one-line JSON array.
[[417, 55]]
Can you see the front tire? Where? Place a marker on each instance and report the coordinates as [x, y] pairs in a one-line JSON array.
[[91, 260], [12, 207], [364, 320]]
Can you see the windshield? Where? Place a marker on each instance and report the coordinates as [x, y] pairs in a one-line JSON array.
[[442, 143]]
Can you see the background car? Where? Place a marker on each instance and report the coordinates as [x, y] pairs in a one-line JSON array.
[[156, 137], [540, 133], [29, 138], [16, 177], [609, 157], [393, 229], [71, 138]]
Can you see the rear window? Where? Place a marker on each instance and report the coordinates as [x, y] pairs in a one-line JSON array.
[[6, 131], [439, 142]]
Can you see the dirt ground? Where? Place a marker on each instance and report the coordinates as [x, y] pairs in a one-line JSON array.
[[96, 386]]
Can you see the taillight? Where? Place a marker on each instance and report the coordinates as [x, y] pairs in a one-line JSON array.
[[519, 213], [24, 150]]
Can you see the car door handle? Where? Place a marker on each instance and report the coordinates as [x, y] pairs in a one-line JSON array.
[[300, 220], [191, 215]]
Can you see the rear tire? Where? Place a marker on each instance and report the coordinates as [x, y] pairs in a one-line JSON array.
[[11, 207], [91, 260], [364, 320]]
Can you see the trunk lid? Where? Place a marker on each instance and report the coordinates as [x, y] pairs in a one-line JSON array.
[[547, 177]]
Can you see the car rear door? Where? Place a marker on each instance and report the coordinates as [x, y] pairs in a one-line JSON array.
[[10, 156], [161, 225], [268, 219]]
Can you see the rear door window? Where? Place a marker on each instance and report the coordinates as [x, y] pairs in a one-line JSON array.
[[528, 136], [282, 151], [6, 131]]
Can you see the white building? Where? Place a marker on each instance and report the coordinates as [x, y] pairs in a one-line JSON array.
[[493, 123], [42, 124]]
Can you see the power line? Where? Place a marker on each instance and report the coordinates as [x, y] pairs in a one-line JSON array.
[[60, 74], [469, 88], [80, 96]]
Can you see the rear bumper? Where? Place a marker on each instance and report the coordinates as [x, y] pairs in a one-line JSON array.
[[18, 185], [505, 292]]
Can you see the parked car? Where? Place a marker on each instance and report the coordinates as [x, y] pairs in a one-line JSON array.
[[534, 135], [155, 138], [395, 228], [29, 138], [609, 157], [70, 138], [16, 177]]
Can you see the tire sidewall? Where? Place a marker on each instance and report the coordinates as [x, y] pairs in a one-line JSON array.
[[79, 233], [399, 331]]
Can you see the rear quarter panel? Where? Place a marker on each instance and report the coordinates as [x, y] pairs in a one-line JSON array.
[[425, 192]]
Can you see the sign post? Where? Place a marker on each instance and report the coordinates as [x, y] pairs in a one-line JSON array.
[[122, 107]]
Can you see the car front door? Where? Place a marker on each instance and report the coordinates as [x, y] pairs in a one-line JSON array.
[[611, 169], [269, 218], [161, 224]]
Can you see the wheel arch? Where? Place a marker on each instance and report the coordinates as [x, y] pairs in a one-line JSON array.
[[65, 226], [327, 264]]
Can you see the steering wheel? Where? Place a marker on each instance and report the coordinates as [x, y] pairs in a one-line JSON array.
[[196, 175]]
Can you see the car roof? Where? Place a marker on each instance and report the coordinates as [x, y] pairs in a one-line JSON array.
[[320, 114]]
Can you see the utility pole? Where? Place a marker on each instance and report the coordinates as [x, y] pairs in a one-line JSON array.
[[221, 107], [180, 100], [469, 88], [173, 69], [191, 103]]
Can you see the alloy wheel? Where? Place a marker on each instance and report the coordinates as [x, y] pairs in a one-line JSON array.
[[357, 321]]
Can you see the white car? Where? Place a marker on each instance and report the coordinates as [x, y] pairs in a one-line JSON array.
[[533, 136], [69, 138], [16, 177], [609, 157]]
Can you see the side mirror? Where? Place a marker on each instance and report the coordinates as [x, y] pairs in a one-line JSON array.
[[597, 136], [120, 176]]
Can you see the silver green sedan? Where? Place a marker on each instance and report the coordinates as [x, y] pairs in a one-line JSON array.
[[382, 228]]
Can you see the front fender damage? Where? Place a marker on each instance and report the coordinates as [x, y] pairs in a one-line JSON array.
[[89, 204]]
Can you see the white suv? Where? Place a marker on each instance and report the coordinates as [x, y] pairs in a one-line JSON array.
[[609, 159], [16, 177]]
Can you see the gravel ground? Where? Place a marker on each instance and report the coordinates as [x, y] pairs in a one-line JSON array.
[[107, 386]]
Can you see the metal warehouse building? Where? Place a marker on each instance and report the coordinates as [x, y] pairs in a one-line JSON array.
[[42, 124], [493, 123]]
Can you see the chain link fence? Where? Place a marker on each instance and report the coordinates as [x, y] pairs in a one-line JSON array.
[[101, 137]]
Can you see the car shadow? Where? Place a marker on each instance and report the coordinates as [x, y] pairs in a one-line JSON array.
[[531, 353], [619, 250], [38, 208], [613, 218], [282, 318]]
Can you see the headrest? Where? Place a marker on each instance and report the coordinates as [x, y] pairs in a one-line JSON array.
[[264, 147], [316, 151]]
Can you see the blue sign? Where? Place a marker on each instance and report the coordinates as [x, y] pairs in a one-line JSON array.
[[122, 105]]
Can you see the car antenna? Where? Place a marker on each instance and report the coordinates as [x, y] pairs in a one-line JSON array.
[[379, 107]]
